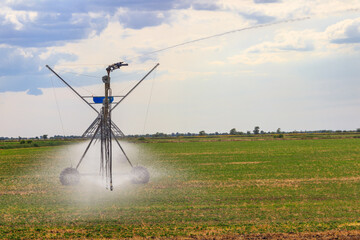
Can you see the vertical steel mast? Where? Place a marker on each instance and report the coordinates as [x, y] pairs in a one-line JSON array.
[[106, 135]]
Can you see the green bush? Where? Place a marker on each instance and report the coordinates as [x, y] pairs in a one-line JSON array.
[[279, 136], [22, 141]]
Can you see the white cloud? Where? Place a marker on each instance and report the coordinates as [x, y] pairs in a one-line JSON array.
[[296, 45], [116, 42], [347, 31], [17, 18], [294, 8], [286, 45]]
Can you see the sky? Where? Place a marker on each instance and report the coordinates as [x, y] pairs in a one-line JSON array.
[[292, 65]]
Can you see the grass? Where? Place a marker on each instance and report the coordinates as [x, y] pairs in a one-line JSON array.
[[198, 189], [33, 143]]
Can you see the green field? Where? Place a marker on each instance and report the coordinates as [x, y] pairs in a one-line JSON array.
[[220, 187]]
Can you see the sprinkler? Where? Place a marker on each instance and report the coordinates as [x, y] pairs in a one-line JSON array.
[[105, 130]]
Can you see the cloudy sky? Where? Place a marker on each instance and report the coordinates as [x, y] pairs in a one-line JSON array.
[[293, 65]]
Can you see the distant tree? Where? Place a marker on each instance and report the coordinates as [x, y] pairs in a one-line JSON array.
[[248, 132], [262, 132], [256, 130], [202, 133], [159, 134], [45, 136], [233, 131], [358, 130], [278, 130]]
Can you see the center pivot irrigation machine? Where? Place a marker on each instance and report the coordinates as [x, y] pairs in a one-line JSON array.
[[104, 128]]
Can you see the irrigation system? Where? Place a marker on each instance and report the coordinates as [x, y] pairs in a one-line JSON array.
[[105, 130]]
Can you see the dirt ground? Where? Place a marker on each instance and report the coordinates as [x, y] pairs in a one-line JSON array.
[[327, 235]]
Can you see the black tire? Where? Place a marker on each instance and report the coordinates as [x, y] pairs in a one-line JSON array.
[[69, 176], [140, 175]]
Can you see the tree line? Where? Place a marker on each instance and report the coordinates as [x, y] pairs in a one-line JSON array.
[[232, 131]]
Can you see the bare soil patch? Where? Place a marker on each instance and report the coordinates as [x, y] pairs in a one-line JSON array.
[[326, 235], [229, 163]]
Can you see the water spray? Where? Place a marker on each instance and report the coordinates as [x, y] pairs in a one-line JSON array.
[[105, 130]]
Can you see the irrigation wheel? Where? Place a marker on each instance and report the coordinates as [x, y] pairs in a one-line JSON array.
[[69, 176], [140, 175]]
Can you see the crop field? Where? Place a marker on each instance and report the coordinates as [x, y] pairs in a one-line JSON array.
[[199, 188]]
